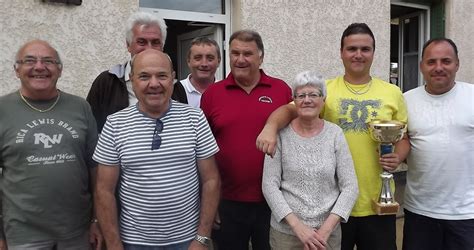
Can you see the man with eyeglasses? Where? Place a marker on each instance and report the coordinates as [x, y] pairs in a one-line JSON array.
[[163, 152], [112, 90], [47, 138], [353, 100]]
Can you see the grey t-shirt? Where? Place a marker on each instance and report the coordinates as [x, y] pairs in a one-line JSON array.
[[46, 158]]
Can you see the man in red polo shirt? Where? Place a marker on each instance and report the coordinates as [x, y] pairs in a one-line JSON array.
[[237, 108]]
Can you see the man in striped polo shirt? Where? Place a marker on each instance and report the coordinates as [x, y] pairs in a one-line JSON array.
[[163, 152]]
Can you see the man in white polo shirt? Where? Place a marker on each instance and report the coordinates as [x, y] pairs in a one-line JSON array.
[[204, 57]]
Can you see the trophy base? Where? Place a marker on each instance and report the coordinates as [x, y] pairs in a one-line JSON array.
[[385, 209]]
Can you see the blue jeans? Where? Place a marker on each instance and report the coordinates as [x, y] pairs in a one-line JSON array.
[[179, 246]]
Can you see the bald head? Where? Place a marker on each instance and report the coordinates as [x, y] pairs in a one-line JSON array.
[[149, 56], [20, 53], [152, 81]]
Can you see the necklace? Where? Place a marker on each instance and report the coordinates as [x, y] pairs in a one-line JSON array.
[[37, 109], [361, 91]]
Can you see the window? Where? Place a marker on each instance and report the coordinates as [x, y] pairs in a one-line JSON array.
[[188, 18], [204, 6]]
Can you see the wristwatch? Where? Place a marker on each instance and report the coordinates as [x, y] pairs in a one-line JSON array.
[[206, 241]]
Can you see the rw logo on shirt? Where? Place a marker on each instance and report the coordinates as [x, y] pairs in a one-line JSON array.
[[47, 141]]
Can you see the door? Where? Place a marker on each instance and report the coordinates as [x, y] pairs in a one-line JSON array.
[[411, 39], [188, 19], [409, 30]]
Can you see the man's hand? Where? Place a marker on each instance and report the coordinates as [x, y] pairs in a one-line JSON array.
[[197, 246], [217, 222], [3, 244], [280, 118], [95, 236], [267, 139], [106, 204], [390, 162]]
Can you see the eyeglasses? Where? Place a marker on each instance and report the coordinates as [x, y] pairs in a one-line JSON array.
[[31, 61], [312, 96], [156, 143]]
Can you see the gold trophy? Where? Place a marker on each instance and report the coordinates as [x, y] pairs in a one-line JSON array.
[[386, 133]]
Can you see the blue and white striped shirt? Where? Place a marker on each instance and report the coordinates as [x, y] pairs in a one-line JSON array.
[[159, 189]]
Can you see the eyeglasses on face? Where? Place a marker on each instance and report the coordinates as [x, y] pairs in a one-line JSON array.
[[31, 61], [156, 143], [312, 96]]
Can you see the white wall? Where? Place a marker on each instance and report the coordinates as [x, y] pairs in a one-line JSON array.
[[298, 35], [90, 37], [459, 27], [305, 35]]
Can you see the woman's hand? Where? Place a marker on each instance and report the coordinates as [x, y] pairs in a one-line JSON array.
[[310, 238]]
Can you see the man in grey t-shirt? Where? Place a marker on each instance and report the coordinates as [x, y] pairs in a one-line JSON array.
[[47, 138]]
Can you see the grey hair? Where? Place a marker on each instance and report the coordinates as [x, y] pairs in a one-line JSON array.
[[309, 78], [20, 50], [148, 19]]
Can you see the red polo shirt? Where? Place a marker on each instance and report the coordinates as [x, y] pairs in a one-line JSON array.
[[236, 118]]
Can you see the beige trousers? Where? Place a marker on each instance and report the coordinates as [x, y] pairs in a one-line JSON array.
[[282, 241]]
